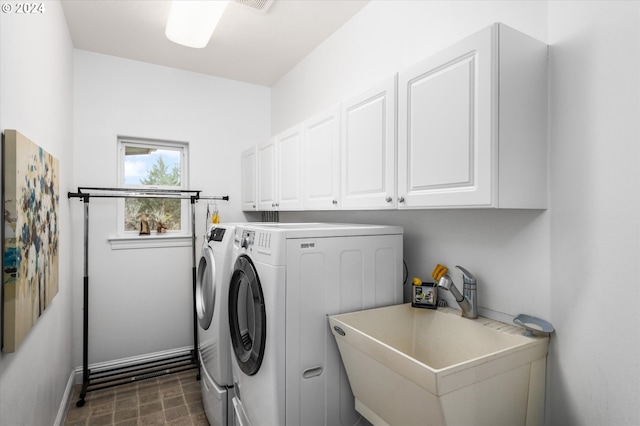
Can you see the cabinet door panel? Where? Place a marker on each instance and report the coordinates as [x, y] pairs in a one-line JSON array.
[[289, 166], [322, 161], [368, 149], [267, 166], [364, 141], [442, 128], [445, 124]]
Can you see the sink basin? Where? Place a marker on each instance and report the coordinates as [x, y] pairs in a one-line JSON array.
[[412, 366]]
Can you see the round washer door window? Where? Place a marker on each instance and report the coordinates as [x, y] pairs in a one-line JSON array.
[[247, 316], [206, 288]]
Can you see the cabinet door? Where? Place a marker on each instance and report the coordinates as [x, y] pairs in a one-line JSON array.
[[266, 183], [289, 176], [322, 161], [368, 149], [248, 179], [445, 113]]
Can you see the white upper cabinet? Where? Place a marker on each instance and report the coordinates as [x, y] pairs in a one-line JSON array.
[[279, 179], [267, 175], [289, 171], [471, 133], [248, 179], [368, 149], [321, 157], [472, 124]]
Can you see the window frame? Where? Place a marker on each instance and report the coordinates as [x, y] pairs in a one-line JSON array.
[[129, 239]]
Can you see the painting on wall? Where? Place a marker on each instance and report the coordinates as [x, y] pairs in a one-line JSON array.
[[30, 247]]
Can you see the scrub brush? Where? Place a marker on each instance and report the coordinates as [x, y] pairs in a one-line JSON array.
[[438, 272]]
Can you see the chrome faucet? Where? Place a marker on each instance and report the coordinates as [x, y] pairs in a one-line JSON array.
[[468, 301]]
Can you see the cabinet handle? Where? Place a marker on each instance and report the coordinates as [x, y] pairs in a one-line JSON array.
[[335, 202], [401, 199], [388, 199]]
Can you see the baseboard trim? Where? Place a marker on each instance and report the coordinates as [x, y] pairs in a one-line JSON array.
[[126, 362], [64, 405], [76, 374]]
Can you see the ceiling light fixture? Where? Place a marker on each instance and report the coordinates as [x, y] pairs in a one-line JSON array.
[[191, 23]]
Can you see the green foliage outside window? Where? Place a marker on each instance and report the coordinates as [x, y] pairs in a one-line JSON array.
[[165, 211]]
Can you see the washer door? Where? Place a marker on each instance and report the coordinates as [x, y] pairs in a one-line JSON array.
[[206, 287], [247, 316]]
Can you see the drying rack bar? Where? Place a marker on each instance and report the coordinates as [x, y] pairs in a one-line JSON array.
[[117, 376], [92, 381], [94, 192]]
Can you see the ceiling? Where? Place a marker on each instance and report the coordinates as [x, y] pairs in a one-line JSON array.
[[247, 45]]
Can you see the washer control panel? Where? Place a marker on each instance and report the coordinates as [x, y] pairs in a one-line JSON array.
[[263, 240], [258, 239], [247, 239], [263, 245]]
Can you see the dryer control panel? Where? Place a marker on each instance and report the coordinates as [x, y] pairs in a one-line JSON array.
[[216, 234]]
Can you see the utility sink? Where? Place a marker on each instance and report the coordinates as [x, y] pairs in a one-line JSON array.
[[412, 366]]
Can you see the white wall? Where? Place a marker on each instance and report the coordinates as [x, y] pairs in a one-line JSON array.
[[140, 300], [575, 264], [595, 215], [384, 37], [36, 74]]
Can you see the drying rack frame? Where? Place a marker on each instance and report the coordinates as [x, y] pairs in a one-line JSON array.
[[110, 377]]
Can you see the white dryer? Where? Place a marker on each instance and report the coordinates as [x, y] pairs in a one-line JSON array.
[[214, 348], [286, 279]]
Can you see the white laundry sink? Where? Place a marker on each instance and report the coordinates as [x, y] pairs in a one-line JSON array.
[[411, 366]]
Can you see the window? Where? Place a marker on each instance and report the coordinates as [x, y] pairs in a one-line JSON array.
[[152, 164]]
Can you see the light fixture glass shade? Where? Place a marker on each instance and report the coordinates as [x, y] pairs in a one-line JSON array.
[[191, 23]]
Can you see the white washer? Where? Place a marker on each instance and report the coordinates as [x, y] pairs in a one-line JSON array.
[[214, 348], [286, 279]]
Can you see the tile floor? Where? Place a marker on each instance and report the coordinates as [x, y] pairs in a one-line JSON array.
[[173, 399]]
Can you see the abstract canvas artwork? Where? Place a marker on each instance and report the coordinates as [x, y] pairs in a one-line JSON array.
[[31, 248]]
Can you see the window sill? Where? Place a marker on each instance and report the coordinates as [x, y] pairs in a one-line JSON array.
[[149, 241]]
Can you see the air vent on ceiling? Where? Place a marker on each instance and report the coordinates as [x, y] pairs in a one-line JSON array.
[[259, 6]]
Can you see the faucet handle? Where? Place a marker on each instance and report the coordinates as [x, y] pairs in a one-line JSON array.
[[467, 276]]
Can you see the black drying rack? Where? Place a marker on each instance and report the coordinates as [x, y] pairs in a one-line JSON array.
[[115, 376]]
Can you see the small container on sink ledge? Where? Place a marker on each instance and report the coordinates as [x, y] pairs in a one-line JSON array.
[[425, 295]]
